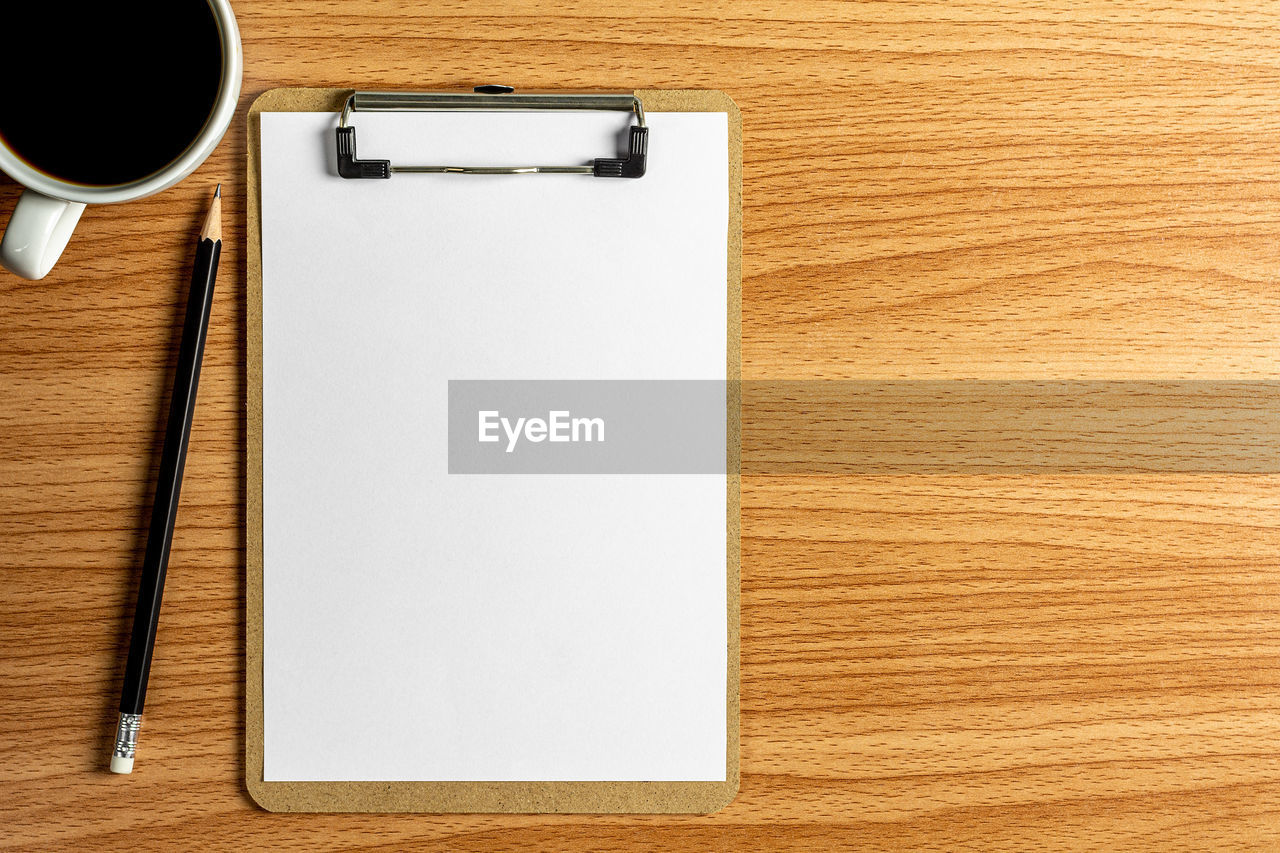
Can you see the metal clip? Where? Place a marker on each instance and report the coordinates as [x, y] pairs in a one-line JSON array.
[[488, 98]]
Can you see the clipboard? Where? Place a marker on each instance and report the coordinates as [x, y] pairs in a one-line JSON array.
[[529, 796]]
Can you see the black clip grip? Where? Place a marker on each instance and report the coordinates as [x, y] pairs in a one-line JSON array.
[[350, 167], [633, 165]]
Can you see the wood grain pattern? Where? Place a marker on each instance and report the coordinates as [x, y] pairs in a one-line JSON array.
[[931, 190]]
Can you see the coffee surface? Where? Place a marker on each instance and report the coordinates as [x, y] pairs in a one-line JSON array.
[[107, 93]]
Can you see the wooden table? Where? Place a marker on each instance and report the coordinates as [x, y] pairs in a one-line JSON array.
[[933, 190]]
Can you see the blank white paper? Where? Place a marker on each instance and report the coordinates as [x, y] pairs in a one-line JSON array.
[[427, 626]]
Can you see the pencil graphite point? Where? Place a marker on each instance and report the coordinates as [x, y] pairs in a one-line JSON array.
[[212, 229]]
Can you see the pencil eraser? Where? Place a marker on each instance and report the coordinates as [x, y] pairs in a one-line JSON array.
[[121, 765]]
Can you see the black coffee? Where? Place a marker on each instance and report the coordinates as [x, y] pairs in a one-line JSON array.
[[105, 93]]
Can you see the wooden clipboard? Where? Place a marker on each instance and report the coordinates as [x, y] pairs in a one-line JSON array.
[[460, 796]]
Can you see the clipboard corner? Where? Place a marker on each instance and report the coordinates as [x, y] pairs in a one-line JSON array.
[[690, 101], [266, 796], [724, 796], [298, 99]]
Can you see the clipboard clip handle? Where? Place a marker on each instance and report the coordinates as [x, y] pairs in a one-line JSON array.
[[485, 99]]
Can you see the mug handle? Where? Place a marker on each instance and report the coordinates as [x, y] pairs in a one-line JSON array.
[[38, 232]]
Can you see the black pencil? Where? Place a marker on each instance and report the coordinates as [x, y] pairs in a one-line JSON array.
[[165, 509]]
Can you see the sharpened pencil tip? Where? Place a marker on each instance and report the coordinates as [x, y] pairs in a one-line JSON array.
[[212, 229]]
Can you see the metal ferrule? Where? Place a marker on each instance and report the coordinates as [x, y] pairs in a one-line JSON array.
[[127, 735]]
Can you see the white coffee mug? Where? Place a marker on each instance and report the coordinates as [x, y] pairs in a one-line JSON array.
[[49, 208]]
